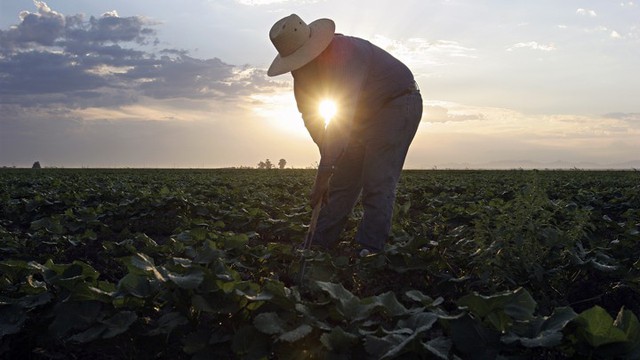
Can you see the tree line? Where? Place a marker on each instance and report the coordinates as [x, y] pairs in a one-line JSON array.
[[267, 164]]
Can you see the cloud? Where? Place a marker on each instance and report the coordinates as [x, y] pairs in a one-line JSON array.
[[441, 114], [40, 28], [498, 134], [271, 2], [422, 52], [107, 61], [632, 119], [532, 45], [260, 2], [586, 12], [613, 34]]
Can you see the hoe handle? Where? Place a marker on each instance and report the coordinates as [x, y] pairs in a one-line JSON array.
[[312, 225], [307, 241]]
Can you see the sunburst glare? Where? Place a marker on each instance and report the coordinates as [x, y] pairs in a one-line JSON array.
[[328, 110]]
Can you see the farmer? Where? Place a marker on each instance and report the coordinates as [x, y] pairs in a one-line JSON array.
[[364, 146]]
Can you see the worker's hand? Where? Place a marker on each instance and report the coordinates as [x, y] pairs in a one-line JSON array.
[[320, 190]]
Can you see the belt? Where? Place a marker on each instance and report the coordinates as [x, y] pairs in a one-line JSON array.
[[413, 88]]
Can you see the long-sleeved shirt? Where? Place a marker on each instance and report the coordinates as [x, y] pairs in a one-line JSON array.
[[360, 77]]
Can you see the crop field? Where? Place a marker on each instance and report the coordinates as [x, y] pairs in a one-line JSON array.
[[202, 264]]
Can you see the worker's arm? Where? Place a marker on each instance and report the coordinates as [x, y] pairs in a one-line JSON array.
[[344, 72]]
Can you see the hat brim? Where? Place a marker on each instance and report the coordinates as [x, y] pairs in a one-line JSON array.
[[322, 31]]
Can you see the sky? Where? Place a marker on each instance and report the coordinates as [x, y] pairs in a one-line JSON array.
[[182, 84]]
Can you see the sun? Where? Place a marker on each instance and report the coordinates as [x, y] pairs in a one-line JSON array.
[[328, 110]]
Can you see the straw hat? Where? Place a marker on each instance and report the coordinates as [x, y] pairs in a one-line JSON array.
[[298, 43]]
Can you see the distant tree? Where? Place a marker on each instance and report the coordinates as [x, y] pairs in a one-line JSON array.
[[36, 165], [282, 163], [265, 164]]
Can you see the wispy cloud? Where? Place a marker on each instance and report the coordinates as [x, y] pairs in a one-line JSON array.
[[271, 2], [586, 12], [417, 52], [532, 45], [475, 135], [444, 112], [615, 35]]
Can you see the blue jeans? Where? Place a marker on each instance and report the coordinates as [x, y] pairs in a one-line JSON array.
[[371, 165]]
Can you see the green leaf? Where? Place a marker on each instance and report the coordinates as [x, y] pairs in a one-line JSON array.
[[135, 285], [473, 339], [376, 346], [283, 296], [235, 241], [405, 337], [545, 339], [336, 291], [186, 263], [91, 334], [119, 323], [81, 291], [559, 319], [195, 341], [338, 340], [167, 322], [416, 325], [74, 315], [629, 324], [545, 333], [520, 305], [440, 347], [269, 323], [57, 273], [16, 269], [263, 296], [390, 304], [296, 334], [248, 343], [144, 262], [33, 301], [500, 309], [11, 320], [597, 327], [418, 296], [199, 234], [419, 322], [602, 267], [189, 282], [348, 305]]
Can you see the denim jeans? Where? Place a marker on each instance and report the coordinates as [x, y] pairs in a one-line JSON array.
[[371, 166]]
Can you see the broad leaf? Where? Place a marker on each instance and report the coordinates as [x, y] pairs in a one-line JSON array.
[[11, 320], [168, 322], [189, 281], [501, 309], [119, 323], [338, 340], [269, 323], [473, 339], [296, 334], [597, 327], [440, 347]]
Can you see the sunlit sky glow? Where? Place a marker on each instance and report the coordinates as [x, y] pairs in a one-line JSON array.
[[183, 83]]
